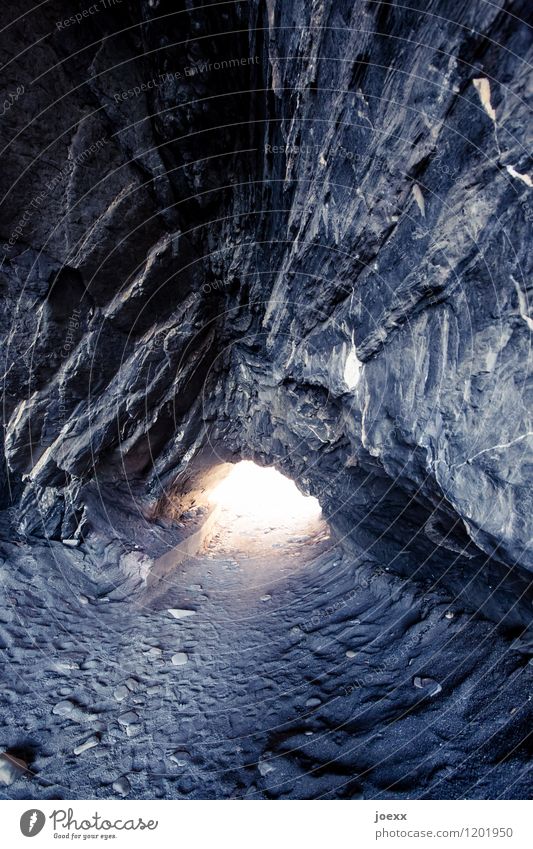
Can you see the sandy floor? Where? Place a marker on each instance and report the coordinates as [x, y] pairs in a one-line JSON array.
[[271, 666]]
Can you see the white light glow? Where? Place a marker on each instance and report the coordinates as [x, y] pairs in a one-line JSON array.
[[263, 493]]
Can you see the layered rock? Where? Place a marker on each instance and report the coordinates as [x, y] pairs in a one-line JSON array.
[[291, 232]]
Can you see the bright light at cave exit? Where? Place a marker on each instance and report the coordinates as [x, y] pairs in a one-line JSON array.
[[264, 493]]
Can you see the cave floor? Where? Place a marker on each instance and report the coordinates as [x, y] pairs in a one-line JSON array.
[[300, 673]]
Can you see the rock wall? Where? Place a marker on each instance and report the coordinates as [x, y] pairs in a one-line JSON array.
[[296, 232]]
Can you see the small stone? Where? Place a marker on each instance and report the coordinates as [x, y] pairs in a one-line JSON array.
[[266, 597], [433, 687], [154, 651], [64, 708], [89, 744], [178, 613], [122, 786], [121, 693], [313, 702], [180, 758], [11, 768], [180, 658], [351, 653], [449, 614], [65, 665], [264, 768], [72, 711], [132, 684], [71, 543], [128, 718]]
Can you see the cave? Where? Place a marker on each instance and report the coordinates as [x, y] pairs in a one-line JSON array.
[[265, 492]]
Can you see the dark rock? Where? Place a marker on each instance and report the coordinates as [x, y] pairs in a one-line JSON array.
[[296, 233]]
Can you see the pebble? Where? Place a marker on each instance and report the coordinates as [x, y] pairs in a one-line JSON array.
[[11, 768], [179, 758], [313, 702], [122, 786], [177, 613], [449, 614], [180, 658], [264, 768], [72, 711], [65, 665], [89, 744], [153, 652], [433, 687], [351, 653], [128, 718], [266, 597], [121, 693]]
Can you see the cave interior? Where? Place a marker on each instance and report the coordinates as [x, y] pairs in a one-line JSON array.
[[266, 492]]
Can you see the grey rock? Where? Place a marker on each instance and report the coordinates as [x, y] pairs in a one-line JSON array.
[[128, 718], [90, 743], [181, 614], [180, 658], [432, 687], [122, 786], [71, 710], [11, 768]]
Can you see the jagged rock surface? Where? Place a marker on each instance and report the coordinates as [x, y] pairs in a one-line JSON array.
[[348, 290], [303, 240]]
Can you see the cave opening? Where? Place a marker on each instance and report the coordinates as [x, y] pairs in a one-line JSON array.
[[239, 509], [262, 493], [258, 507]]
